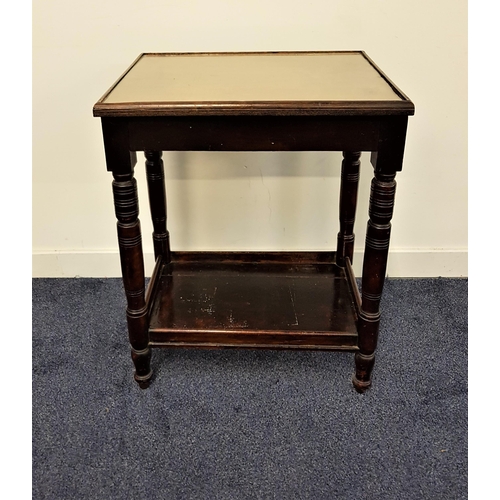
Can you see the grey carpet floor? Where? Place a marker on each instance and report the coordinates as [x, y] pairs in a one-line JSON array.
[[248, 424]]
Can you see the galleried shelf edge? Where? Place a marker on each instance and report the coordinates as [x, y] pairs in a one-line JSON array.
[[273, 101]]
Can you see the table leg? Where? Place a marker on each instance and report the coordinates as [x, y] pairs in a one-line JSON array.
[[383, 189], [347, 212], [157, 202], [132, 264]]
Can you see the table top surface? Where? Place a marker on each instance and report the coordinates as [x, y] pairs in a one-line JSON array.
[[333, 83]]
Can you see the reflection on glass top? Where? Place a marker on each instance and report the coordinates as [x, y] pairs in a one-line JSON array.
[[252, 77]]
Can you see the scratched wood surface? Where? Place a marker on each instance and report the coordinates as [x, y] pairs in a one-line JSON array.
[[233, 303]]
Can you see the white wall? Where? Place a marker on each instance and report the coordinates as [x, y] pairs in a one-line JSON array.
[[247, 200]]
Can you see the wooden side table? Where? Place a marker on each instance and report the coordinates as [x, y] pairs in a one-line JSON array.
[[280, 101]]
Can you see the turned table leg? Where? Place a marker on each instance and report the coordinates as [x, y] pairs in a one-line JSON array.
[[383, 189], [157, 202], [347, 211], [132, 264]]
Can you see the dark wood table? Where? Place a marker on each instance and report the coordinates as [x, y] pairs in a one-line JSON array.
[[280, 101]]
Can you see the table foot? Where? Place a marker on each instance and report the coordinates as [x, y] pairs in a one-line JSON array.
[[144, 381], [364, 366], [142, 363], [359, 385]]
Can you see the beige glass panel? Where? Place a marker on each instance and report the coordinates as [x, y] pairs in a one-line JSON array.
[[251, 77]]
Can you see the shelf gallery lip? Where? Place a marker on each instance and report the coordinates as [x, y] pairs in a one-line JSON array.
[[350, 346]]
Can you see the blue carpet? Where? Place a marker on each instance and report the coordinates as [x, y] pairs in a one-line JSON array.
[[248, 424]]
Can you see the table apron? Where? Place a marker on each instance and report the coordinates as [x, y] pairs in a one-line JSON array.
[[249, 133]]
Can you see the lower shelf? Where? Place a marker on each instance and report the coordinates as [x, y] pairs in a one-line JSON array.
[[293, 300]]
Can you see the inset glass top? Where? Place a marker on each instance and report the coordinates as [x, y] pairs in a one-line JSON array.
[[220, 83]]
